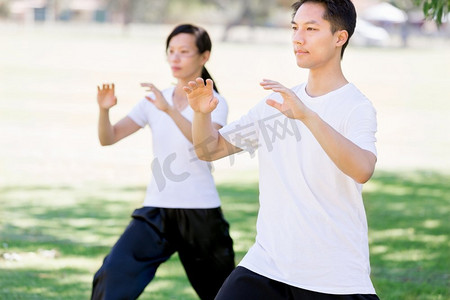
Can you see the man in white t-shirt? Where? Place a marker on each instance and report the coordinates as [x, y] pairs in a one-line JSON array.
[[316, 146]]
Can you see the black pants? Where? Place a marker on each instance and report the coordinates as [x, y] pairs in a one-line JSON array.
[[201, 237], [243, 284]]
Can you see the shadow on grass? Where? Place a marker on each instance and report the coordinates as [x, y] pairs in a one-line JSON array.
[[408, 230], [81, 225], [42, 284], [73, 221]]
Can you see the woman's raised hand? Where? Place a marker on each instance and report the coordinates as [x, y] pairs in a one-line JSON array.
[[159, 101], [106, 97]]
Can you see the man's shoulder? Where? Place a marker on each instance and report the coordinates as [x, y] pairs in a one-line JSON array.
[[351, 94]]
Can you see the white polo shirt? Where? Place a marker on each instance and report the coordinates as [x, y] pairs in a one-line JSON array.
[[179, 178]]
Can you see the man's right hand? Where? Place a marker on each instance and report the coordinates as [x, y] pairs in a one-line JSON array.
[[201, 96], [106, 97]]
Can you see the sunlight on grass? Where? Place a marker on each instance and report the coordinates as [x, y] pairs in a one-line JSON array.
[[242, 240], [379, 249], [170, 283], [431, 224], [393, 233], [410, 255], [408, 236], [46, 278], [160, 285]]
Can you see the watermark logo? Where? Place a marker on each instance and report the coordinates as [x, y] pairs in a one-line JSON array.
[[164, 172], [248, 137], [270, 130]]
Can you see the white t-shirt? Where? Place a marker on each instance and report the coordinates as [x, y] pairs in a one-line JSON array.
[[179, 178], [311, 227]]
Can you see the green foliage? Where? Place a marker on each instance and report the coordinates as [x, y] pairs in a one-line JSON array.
[[434, 9], [408, 233]]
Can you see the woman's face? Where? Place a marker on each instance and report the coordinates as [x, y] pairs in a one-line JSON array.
[[184, 59]]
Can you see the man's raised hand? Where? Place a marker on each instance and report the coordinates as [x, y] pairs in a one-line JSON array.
[[291, 106], [201, 96]]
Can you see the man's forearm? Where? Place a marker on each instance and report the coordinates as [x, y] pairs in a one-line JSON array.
[[355, 162], [205, 137]]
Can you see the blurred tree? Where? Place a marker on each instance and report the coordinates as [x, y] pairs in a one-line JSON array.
[[127, 11], [235, 12], [122, 8], [4, 9], [253, 13], [154, 11]]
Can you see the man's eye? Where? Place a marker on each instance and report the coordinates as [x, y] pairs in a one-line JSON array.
[[310, 29]]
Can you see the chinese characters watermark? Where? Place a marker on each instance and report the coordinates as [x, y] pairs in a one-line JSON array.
[[249, 138]]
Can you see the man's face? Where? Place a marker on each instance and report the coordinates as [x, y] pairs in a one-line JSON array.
[[314, 44]]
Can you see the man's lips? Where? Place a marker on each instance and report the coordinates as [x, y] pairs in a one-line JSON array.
[[300, 51]]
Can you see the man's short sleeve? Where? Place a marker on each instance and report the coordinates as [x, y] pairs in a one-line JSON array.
[[362, 126], [244, 133]]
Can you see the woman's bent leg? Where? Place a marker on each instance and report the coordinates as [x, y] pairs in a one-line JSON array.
[[133, 260]]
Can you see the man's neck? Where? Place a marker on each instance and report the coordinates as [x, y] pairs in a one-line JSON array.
[[321, 82]]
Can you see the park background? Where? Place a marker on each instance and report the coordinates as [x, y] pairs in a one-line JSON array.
[[64, 199]]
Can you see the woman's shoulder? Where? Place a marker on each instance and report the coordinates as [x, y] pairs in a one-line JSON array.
[[222, 101], [219, 96]]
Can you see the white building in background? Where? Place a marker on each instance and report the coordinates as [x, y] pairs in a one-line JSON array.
[[34, 11], [367, 34], [28, 11], [384, 13]]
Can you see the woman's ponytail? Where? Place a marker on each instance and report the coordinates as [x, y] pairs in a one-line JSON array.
[[206, 75]]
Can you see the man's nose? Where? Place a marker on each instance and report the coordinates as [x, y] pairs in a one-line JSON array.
[[297, 37]]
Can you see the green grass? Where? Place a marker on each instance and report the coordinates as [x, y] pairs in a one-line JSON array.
[[409, 234], [80, 225], [408, 230]]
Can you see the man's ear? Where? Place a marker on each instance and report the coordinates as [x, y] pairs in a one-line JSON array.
[[342, 37]]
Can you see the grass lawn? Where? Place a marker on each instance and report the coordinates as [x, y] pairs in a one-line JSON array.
[[64, 200], [408, 217], [60, 244]]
